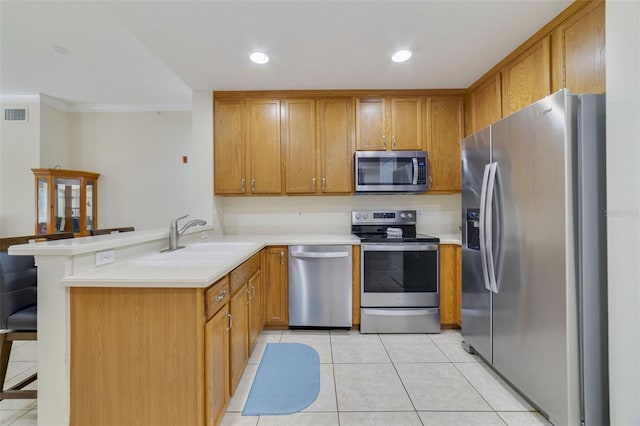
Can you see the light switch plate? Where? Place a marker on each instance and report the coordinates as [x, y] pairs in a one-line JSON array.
[[204, 235], [105, 257]]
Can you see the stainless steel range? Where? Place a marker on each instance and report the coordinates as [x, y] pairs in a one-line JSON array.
[[399, 273]]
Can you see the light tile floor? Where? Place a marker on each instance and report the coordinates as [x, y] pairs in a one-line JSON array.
[[365, 379], [392, 380], [22, 364]]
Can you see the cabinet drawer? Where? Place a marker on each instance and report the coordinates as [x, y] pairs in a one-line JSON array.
[[239, 276], [216, 296]]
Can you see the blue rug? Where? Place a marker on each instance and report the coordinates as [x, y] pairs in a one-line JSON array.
[[287, 381]]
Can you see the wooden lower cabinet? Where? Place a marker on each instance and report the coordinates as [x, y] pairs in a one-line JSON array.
[[137, 356], [162, 356], [255, 310], [276, 290], [238, 337], [216, 366], [450, 285]]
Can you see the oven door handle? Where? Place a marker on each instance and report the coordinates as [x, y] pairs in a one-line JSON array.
[[399, 247]]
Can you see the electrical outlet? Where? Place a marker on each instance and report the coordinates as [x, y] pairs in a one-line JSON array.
[[105, 257], [204, 235], [420, 212]]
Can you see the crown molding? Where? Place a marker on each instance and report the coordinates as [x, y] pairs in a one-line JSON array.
[[129, 107], [85, 107], [20, 98]]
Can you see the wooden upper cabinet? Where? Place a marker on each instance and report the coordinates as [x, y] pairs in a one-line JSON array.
[[229, 147], [299, 137], [485, 104], [527, 78], [444, 119], [371, 132], [579, 51], [335, 137], [263, 141], [389, 123], [406, 124]]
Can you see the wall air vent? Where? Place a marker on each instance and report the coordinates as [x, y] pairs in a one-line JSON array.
[[15, 114]]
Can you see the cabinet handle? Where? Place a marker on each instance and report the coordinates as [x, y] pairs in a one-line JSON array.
[[221, 296], [324, 184], [393, 140], [242, 183], [230, 321], [282, 258], [253, 185], [313, 182], [384, 141]]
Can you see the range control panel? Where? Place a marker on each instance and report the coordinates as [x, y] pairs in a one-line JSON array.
[[383, 217]]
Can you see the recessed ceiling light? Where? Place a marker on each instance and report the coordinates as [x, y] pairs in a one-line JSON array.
[[401, 56], [259, 58]]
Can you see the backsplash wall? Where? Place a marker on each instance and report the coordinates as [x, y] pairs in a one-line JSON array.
[[330, 214]]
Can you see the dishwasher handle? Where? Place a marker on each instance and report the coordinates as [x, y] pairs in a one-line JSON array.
[[319, 255]]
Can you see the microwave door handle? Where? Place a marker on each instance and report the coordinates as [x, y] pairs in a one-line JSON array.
[[415, 171]]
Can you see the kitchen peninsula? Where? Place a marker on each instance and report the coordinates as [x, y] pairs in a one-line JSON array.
[[140, 277]]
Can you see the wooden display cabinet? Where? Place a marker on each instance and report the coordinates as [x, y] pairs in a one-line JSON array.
[[66, 201]]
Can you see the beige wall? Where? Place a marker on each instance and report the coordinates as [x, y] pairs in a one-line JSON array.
[[54, 137], [623, 208], [331, 214], [143, 181], [19, 153]]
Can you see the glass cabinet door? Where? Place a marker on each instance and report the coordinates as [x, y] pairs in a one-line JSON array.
[[67, 205], [43, 206], [90, 205]]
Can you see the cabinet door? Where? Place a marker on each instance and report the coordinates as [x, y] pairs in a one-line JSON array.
[[527, 79], [238, 337], [335, 135], [406, 123], [254, 286], [450, 285], [276, 289], [444, 124], [229, 147], [299, 134], [263, 137], [371, 133], [579, 51], [216, 339], [486, 104]]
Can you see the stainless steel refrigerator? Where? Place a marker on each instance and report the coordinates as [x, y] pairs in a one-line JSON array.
[[534, 299]]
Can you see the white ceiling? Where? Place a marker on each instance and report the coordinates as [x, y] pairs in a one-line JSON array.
[[151, 54]]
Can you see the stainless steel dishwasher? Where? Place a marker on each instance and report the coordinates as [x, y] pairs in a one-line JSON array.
[[320, 286]]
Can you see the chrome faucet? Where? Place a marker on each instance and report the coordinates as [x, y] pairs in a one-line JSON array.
[[174, 234]]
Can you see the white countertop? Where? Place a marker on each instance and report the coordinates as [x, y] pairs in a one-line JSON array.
[[198, 265]]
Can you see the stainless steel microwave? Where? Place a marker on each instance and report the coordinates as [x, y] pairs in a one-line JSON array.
[[391, 171]]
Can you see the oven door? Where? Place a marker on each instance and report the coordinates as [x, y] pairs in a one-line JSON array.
[[399, 275]]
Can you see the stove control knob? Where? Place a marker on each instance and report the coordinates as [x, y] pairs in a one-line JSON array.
[[409, 215], [358, 216], [365, 216], [403, 216]]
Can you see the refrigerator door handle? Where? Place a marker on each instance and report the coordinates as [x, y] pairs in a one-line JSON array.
[[491, 187], [483, 247]]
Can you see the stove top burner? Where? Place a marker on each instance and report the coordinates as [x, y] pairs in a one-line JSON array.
[[371, 226]]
